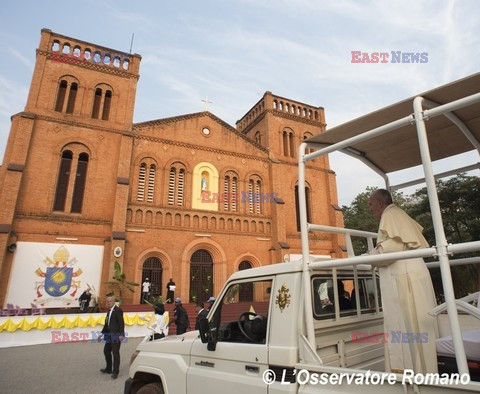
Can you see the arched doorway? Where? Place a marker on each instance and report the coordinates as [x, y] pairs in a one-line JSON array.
[[152, 269], [246, 292], [201, 276]]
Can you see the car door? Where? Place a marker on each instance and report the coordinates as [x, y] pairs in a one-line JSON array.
[[241, 323]]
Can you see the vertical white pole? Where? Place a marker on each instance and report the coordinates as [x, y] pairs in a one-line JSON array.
[[305, 247], [440, 238]]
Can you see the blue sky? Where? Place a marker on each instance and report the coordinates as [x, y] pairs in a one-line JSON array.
[[234, 51]]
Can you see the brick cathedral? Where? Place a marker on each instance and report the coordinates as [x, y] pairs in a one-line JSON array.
[[188, 197]]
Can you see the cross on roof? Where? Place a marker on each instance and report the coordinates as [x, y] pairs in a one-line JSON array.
[[206, 101]]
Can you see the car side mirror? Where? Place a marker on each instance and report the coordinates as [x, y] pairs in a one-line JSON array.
[[204, 328], [207, 335]]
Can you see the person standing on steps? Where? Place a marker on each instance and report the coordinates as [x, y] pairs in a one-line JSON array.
[[170, 291]]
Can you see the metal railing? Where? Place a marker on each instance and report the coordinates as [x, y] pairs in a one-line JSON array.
[[441, 251]]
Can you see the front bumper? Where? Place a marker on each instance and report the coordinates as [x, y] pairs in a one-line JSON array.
[[128, 386]]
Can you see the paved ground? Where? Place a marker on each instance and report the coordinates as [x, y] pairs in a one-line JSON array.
[[61, 368]]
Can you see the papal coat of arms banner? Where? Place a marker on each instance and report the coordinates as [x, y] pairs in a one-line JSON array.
[[53, 275]]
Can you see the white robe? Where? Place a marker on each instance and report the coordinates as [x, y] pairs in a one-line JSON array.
[[158, 324], [407, 295]]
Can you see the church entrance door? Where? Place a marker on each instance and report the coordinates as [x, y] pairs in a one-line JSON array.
[[201, 276], [152, 269]]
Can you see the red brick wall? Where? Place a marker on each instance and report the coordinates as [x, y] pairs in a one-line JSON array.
[[116, 148]]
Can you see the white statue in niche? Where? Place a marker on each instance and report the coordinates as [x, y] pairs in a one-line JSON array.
[[204, 184]]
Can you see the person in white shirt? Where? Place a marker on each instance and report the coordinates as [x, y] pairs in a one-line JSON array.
[[145, 290], [170, 291], [158, 324]]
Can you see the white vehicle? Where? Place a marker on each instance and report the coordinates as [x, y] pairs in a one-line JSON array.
[[284, 328]]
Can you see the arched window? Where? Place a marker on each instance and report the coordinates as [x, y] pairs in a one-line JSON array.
[[72, 179], [62, 88], [87, 54], [141, 182], [66, 48], [285, 143], [176, 185], [97, 57], [62, 181], [297, 205], [71, 98], [258, 138], [106, 105], [146, 180], [180, 186], [244, 265], [230, 192], [258, 191], [97, 99], [288, 143], [80, 181], [68, 86], [292, 144], [151, 183], [102, 102], [255, 195], [77, 52]]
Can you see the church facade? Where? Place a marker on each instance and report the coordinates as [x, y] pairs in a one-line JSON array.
[[188, 197]]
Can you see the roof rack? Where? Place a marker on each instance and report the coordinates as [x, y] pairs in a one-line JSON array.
[[396, 138]]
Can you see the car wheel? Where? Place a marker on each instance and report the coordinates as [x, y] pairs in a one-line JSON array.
[[151, 388]]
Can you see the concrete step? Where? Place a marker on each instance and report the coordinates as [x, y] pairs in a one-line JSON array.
[[137, 308]]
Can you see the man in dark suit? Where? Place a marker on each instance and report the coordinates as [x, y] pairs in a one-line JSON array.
[[180, 317], [113, 334], [201, 314]]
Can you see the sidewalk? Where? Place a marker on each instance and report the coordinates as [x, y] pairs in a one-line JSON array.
[[62, 367]]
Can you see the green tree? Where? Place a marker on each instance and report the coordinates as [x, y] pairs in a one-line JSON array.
[[459, 199]]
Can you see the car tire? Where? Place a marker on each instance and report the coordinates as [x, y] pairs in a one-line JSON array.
[[151, 388]]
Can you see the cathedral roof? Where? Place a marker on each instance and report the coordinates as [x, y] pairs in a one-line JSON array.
[[181, 118]]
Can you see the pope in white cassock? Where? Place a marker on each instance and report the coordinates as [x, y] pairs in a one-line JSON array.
[[407, 290]]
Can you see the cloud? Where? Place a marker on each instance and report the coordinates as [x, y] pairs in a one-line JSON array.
[[130, 16], [22, 59]]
